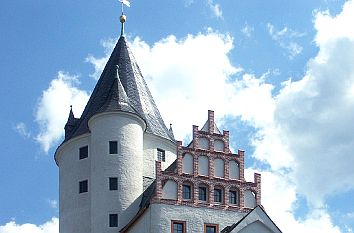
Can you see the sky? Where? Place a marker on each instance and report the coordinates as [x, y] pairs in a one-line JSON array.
[[278, 74]]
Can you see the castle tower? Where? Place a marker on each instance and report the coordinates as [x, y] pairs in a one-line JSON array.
[[108, 155]]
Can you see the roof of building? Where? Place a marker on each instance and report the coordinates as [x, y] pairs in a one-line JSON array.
[[257, 215], [125, 90]]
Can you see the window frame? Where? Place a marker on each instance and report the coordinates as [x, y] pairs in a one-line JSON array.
[[161, 155], [113, 183], [183, 223], [205, 193], [216, 226], [189, 192], [216, 196], [83, 186], [235, 198], [83, 152], [113, 147], [113, 220]]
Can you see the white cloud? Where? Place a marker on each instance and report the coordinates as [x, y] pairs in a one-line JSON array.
[[216, 9], [247, 30], [50, 112], [285, 39], [53, 203], [21, 128], [51, 226]]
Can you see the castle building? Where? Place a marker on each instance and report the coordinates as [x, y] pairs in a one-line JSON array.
[[121, 169]]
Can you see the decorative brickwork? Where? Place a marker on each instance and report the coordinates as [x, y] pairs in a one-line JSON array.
[[195, 180]]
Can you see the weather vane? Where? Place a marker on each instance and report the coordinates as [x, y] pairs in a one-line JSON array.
[[123, 18]]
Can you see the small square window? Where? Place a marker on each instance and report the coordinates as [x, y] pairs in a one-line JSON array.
[[83, 186], [211, 228], [113, 220], [178, 227], [202, 193], [113, 183], [186, 191], [161, 155], [113, 147], [217, 195], [83, 152]]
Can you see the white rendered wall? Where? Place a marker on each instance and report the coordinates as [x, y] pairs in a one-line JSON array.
[[219, 145], [234, 170], [250, 199], [256, 226], [127, 165], [169, 190], [158, 218], [151, 143], [74, 208], [187, 164], [219, 167], [203, 165]]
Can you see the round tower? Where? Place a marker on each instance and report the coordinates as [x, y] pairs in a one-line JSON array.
[[116, 168]]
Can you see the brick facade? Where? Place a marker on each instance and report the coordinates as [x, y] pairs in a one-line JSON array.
[[194, 180]]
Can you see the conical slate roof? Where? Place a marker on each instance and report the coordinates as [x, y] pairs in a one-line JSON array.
[[126, 91]]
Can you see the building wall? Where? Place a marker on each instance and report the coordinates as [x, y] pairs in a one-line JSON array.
[[74, 208], [158, 218], [127, 165]]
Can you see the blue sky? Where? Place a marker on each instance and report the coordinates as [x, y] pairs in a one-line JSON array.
[[279, 75]]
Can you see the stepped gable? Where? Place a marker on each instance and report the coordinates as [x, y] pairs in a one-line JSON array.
[[128, 87]]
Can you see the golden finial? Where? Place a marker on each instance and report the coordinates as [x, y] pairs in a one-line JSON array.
[[123, 17]]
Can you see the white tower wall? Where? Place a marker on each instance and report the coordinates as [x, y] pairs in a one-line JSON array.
[[127, 166], [74, 208]]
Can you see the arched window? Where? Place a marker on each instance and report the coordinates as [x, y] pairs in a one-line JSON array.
[[218, 194], [169, 190], [203, 165], [219, 168], [234, 196], [204, 143], [187, 191], [219, 145], [203, 192], [250, 199], [187, 164], [234, 170]]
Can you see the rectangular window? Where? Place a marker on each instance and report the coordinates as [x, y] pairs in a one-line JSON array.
[[83, 186], [178, 227], [83, 152], [217, 195], [233, 197], [186, 191], [113, 183], [211, 228], [161, 155], [113, 147], [202, 193], [113, 220]]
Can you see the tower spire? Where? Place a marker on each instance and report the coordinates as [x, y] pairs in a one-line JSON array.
[[123, 17]]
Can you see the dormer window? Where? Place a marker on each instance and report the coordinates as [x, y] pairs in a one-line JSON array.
[[161, 155]]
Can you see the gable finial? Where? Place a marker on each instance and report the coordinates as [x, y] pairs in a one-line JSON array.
[[123, 17]]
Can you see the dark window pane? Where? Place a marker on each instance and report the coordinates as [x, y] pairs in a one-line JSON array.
[[210, 229], [178, 227], [161, 155], [233, 197], [186, 192], [113, 220], [83, 152], [113, 147], [113, 183], [202, 193], [83, 186], [217, 195]]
